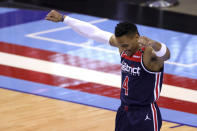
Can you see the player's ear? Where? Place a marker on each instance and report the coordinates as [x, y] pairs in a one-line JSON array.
[[137, 36]]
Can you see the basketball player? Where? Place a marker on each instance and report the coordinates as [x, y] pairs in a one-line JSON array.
[[142, 61]]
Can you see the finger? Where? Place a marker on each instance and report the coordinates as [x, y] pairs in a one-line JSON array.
[[145, 38], [52, 19], [53, 12], [49, 18], [48, 15], [141, 40]]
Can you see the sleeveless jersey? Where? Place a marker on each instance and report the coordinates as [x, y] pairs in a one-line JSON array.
[[139, 86]]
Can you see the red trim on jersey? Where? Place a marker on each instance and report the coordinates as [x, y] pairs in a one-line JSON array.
[[135, 57], [157, 84], [131, 58], [155, 117]]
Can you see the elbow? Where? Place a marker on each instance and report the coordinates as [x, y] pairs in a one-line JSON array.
[[167, 55]]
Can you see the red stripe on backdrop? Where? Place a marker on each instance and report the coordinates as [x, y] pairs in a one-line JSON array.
[[87, 63], [89, 87], [59, 58], [180, 81]]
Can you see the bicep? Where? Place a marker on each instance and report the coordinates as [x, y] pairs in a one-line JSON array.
[[157, 64], [151, 61]]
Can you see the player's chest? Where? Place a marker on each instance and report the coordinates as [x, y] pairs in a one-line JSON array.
[[130, 67]]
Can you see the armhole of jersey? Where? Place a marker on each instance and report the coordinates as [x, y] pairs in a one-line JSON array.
[[142, 63]]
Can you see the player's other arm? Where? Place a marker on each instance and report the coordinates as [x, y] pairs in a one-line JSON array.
[[83, 28], [156, 49], [155, 54]]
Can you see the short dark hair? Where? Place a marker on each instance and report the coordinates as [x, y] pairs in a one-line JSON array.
[[125, 28]]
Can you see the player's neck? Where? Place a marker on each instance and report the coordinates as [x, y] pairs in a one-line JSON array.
[[132, 52], [137, 49]]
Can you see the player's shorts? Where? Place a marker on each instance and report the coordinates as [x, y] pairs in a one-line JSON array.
[[138, 118]]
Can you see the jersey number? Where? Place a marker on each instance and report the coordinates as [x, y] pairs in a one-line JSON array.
[[125, 85]]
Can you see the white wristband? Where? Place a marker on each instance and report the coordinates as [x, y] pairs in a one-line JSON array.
[[162, 51], [88, 30]]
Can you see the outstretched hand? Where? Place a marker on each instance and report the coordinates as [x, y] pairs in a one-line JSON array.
[[54, 16]]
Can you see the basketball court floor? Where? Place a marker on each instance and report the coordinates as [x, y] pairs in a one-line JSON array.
[[53, 79]]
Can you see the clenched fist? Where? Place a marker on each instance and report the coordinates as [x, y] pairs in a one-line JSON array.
[[145, 41], [55, 16]]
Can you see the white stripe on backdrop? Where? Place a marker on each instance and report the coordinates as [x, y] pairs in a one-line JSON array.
[[87, 75]]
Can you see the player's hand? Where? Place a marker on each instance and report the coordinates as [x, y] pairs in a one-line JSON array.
[[145, 41], [54, 16]]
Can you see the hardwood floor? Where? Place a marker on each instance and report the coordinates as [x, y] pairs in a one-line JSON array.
[[26, 112]]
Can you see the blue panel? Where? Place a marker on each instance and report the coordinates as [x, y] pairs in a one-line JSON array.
[[6, 10], [20, 17]]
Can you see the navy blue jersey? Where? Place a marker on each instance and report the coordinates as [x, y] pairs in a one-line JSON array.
[[139, 85]]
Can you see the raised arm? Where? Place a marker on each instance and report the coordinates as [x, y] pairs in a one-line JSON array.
[[83, 28]]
